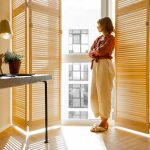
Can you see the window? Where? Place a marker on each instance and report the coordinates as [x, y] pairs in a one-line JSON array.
[[78, 95], [79, 31], [78, 72], [75, 90], [78, 41], [78, 115]]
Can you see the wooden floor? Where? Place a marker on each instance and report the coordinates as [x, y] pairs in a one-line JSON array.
[[74, 138]]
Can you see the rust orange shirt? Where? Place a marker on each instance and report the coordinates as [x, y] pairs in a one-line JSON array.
[[104, 46]]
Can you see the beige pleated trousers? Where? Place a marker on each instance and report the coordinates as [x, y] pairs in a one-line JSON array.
[[103, 74]]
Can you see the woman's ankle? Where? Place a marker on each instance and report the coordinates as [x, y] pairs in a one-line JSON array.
[[104, 121]]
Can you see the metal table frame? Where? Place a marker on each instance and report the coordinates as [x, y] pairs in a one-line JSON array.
[[46, 113], [41, 78]]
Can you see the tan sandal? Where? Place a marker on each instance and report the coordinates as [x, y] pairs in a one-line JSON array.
[[99, 128], [93, 127]]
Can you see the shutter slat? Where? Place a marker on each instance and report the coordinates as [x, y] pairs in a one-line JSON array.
[[125, 3]]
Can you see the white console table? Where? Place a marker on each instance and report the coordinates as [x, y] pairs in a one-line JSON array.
[[22, 79]]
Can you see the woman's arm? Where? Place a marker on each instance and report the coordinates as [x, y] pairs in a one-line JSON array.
[[92, 49], [106, 48], [90, 53]]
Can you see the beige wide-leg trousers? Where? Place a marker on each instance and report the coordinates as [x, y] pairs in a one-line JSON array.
[[102, 83]]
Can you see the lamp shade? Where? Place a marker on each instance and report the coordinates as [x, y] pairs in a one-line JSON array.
[[5, 30]]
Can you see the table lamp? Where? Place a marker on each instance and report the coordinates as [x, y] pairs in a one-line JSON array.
[[5, 33]]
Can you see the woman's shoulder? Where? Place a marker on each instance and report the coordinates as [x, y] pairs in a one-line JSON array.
[[111, 36], [98, 38]]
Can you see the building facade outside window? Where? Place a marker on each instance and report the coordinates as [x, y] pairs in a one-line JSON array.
[[78, 41], [78, 72]]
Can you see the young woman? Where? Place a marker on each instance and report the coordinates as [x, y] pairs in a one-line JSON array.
[[102, 73]]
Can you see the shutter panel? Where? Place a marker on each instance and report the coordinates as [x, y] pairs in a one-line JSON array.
[[19, 45], [45, 57], [132, 65]]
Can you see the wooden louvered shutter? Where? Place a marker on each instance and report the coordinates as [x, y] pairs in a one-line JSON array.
[[45, 58], [132, 64], [19, 45]]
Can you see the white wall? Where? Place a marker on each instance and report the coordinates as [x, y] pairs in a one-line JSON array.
[[4, 93]]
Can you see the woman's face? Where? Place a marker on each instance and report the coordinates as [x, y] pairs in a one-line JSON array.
[[99, 27]]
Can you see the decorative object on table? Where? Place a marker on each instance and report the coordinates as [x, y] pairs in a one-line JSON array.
[[14, 61], [5, 33], [1, 57]]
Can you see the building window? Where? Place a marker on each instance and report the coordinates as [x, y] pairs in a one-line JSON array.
[[78, 72], [78, 95], [78, 115], [78, 41]]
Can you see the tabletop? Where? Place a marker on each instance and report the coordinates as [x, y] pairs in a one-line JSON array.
[[11, 80]]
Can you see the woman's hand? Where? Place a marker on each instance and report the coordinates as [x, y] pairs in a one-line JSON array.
[[90, 53], [95, 53]]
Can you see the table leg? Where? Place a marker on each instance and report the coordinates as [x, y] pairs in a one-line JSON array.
[[46, 113]]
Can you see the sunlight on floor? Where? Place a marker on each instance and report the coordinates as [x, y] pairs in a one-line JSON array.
[[132, 131], [70, 138], [12, 144], [78, 138], [55, 143], [75, 138]]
